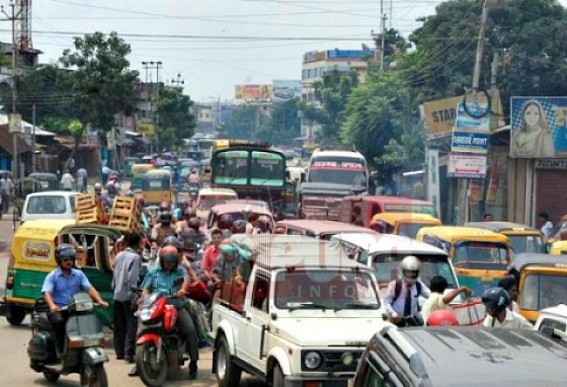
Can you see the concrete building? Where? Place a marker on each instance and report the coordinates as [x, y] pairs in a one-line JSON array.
[[317, 63], [206, 118]]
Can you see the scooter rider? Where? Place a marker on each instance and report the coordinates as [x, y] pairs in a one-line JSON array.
[[401, 299], [498, 315], [162, 278], [61, 285]]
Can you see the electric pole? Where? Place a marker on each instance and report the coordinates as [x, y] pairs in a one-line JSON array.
[[158, 66], [178, 82], [13, 17], [382, 34]]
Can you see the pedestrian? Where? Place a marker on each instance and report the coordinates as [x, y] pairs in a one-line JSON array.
[[488, 217], [124, 285], [547, 227], [105, 173], [82, 177], [438, 300], [497, 301], [356, 217], [510, 284], [401, 301], [6, 189], [67, 181]]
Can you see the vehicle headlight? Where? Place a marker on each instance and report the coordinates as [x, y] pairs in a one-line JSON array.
[[83, 305], [312, 360], [347, 358], [146, 314]]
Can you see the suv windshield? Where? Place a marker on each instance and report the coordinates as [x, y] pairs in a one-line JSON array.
[[46, 205], [542, 291], [325, 289], [386, 268]]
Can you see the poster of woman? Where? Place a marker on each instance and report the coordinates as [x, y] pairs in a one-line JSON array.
[[532, 137]]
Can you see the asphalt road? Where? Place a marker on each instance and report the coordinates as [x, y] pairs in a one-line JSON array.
[[15, 364]]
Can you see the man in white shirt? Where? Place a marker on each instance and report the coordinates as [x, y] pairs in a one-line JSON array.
[[67, 181], [438, 300], [496, 301], [402, 296], [547, 228]]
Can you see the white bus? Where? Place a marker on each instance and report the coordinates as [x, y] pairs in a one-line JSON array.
[[348, 168]]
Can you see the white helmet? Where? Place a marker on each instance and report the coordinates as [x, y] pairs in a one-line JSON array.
[[409, 268]]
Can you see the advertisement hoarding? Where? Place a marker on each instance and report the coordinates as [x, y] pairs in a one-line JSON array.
[[285, 90], [467, 166], [439, 116], [253, 93], [538, 127], [469, 141]]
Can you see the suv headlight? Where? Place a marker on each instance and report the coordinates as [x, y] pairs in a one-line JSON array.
[[312, 360]]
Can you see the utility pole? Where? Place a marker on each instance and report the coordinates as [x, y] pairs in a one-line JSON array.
[[480, 43], [178, 82], [382, 34], [13, 17], [391, 12], [158, 66], [33, 138]]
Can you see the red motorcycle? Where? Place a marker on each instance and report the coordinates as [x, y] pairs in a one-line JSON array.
[[160, 352]]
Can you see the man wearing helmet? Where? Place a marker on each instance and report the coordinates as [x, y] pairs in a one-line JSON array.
[[162, 230], [61, 285], [168, 278], [402, 296], [498, 315]]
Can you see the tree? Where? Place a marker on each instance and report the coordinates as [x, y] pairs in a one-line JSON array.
[[174, 116], [332, 93], [103, 83], [242, 122], [284, 124], [378, 114]]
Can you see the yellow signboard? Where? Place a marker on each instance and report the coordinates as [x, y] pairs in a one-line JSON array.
[[147, 129], [253, 93]]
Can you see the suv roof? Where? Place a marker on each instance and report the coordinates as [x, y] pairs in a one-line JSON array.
[[449, 356]]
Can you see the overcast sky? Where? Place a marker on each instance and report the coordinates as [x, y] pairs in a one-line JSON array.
[[215, 44]]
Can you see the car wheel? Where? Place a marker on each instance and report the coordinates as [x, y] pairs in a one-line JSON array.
[[51, 376], [16, 315], [228, 373], [278, 378]]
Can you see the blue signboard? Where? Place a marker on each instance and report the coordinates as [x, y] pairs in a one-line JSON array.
[[469, 141]]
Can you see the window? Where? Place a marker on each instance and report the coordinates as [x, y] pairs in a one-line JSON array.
[[548, 322], [260, 295], [46, 205]]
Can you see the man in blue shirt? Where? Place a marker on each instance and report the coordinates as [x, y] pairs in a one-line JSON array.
[[61, 285]]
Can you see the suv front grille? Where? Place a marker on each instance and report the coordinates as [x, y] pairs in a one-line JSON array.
[[332, 361]]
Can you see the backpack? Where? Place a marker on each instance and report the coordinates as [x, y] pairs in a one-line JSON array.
[[398, 290]]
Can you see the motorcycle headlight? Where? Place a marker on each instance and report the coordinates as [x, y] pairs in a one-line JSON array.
[[146, 314], [312, 360], [83, 305]]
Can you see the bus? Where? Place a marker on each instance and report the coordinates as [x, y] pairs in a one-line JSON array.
[[254, 170], [346, 168]]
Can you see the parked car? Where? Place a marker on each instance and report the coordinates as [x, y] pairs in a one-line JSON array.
[[554, 318], [301, 317], [461, 356], [49, 205]]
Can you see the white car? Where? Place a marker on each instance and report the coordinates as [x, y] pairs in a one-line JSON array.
[[49, 205], [554, 318], [303, 314]]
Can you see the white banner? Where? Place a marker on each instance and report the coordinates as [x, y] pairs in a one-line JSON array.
[[467, 166], [433, 186]]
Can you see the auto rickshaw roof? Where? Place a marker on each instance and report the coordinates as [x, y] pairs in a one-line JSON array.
[[158, 173], [393, 217], [502, 227], [92, 229], [240, 207], [42, 227], [217, 192], [457, 233], [523, 260], [43, 176], [319, 227]]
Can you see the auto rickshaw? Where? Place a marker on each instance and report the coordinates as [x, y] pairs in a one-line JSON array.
[[543, 282], [558, 248], [48, 181], [128, 163], [157, 186], [479, 256], [524, 239], [33, 257], [136, 169], [402, 223]]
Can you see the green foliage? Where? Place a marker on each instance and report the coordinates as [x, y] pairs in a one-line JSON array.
[[284, 124], [174, 115], [242, 122], [102, 81], [332, 93]]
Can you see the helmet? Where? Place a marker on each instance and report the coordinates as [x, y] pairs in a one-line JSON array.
[[64, 250], [264, 223], [111, 188], [239, 226], [496, 300], [98, 187], [113, 176], [190, 213], [177, 214], [168, 254], [165, 206], [171, 241], [182, 203], [442, 317], [140, 200], [409, 268], [165, 217], [194, 223], [225, 222]]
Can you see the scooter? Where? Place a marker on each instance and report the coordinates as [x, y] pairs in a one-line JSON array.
[[83, 351], [160, 351]]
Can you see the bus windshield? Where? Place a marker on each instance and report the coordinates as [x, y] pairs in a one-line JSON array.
[[348, 171], [249, 167]]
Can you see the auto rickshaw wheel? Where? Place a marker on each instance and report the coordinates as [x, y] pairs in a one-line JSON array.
[[51, 376], [16, 315]]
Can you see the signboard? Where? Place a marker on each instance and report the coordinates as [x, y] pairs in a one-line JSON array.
[[560, 164], [15, 123], [467, 166], [433, 184], [469, 141], [285, 90], [440, 116], [538, 127], [253, 93], [464, 120], [147, 129], [339, 165]]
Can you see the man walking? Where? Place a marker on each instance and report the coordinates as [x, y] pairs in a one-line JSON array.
[[6, 188], [124, 281], [82, 176], [67, 181]]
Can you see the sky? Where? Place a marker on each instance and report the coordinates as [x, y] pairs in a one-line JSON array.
[[216, 44]]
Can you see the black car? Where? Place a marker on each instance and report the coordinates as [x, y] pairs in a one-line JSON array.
[[461, 356]]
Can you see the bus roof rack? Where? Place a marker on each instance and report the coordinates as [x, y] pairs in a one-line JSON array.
[[338, 147], [260, 144]]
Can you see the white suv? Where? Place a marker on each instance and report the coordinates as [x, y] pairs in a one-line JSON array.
[[49, 205], [302, 311]]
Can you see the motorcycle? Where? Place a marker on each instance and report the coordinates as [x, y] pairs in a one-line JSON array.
[[160, 351], [83, 351]]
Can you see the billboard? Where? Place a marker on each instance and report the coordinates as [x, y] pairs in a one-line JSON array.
[[467, 166], [253, 93], [538, 127], [440, 116], [469, 141], [285, 90]]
